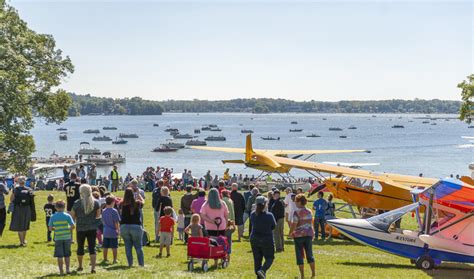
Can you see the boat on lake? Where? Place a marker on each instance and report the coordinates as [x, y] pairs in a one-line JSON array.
[[205, 128], [313, 136], [246, 131], [425, 122], [102, 138], [343, 137], [335, 129], [398, 126], [183, 136], [128, 136], [109, 128], [215, 138], [119, 141], [86, 149], [296, 130], [470, 127], [164, 148], [173, 144], [352, 128], [294, 122], [197, 131], [171, 130], [63, 136], [215, 129], [270, 138], [156, 125], [106, 159], [91, 131], [196, 142], [61, 129], [434, 124]]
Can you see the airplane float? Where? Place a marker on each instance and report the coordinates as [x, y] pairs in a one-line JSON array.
[[446, 231], [362, 188]]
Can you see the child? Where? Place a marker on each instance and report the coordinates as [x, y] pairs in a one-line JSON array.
[[111, 227], [230, 229], [62, 225], [195, 228], [98, 233], [166, 230], [180, 224], [49, 210]]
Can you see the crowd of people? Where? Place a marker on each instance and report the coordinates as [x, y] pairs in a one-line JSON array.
[[212, 210]]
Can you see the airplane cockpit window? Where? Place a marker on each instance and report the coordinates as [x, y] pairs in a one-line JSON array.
[[366, 184], [384, 220]]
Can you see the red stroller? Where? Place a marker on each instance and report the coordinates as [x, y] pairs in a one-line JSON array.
[[202, 249]]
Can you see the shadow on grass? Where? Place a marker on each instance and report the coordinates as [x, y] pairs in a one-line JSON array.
[[117, 267], [378, 265], [73, 273], [10, 246]]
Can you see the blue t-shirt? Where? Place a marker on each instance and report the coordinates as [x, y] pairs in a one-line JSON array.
[[320, 206], [110, 217], [262, 226], [62, 223]]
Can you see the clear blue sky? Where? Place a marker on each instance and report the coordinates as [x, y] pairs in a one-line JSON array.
[[303, 50]]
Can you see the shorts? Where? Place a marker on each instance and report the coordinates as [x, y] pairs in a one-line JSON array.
[[110, 243], [62, 248], [165, 238]]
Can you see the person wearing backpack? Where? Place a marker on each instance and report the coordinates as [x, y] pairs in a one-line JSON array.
[[23, 209]]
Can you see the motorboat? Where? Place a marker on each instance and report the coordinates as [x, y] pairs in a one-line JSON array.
[[105, 159], [115, 157], [335, 129], [91, 131], [343, 137], [119, 141], [296, 130], [213, 125], [294, 122], [61, 129], [434, 124], [102, 138], [109, 128], [425, 122], [205, 128], [156, 125], [171, 130], [445, 230], [128, 136], [270, 138], [183, 136], [174, 133], [164, 148], [196, 142], [63, 136], [86, 149], [215, 138], [215, 129], [313, 136], [246, 131], [398, 126], [197, 131], [173, 144], [352, 128], [470, 127]]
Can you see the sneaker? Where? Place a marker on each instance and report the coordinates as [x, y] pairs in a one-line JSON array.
[[93, 271], [79, 269], [261, 274]]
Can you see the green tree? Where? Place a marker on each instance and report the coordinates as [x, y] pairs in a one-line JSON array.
[[467, 95], [31, 69]]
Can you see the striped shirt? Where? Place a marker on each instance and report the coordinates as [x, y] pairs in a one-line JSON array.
[[61, 222]]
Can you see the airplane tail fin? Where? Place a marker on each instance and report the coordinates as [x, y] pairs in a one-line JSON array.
[[248, 148]]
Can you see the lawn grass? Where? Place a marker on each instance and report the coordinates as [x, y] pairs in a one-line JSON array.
[[335, 259]]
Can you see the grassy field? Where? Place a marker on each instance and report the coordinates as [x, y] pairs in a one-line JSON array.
[[335, 259]]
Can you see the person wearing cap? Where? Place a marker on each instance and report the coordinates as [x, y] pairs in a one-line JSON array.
[[239, 209], [277, 208], [186, 201], [23, 211], [3, 207], [261, 237]]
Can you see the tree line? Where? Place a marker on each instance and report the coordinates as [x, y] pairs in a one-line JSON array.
[[87, 104]]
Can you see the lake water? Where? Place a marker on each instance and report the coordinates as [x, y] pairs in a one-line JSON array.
[[435, 151]]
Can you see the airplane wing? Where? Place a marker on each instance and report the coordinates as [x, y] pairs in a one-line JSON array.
[[405, 180], [276, 152]]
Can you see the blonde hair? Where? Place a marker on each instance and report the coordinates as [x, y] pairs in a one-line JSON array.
[[165, 191], [86, 198], [195, 219]]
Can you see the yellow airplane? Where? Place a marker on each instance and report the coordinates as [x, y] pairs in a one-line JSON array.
[[361, 188]]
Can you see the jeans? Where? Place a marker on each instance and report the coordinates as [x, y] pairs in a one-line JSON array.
[[187, 221], [156, 214], [228, 234], [262, 248], [319, 222], [278, 234], [132, 236], [3, 218], [303, 245]]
